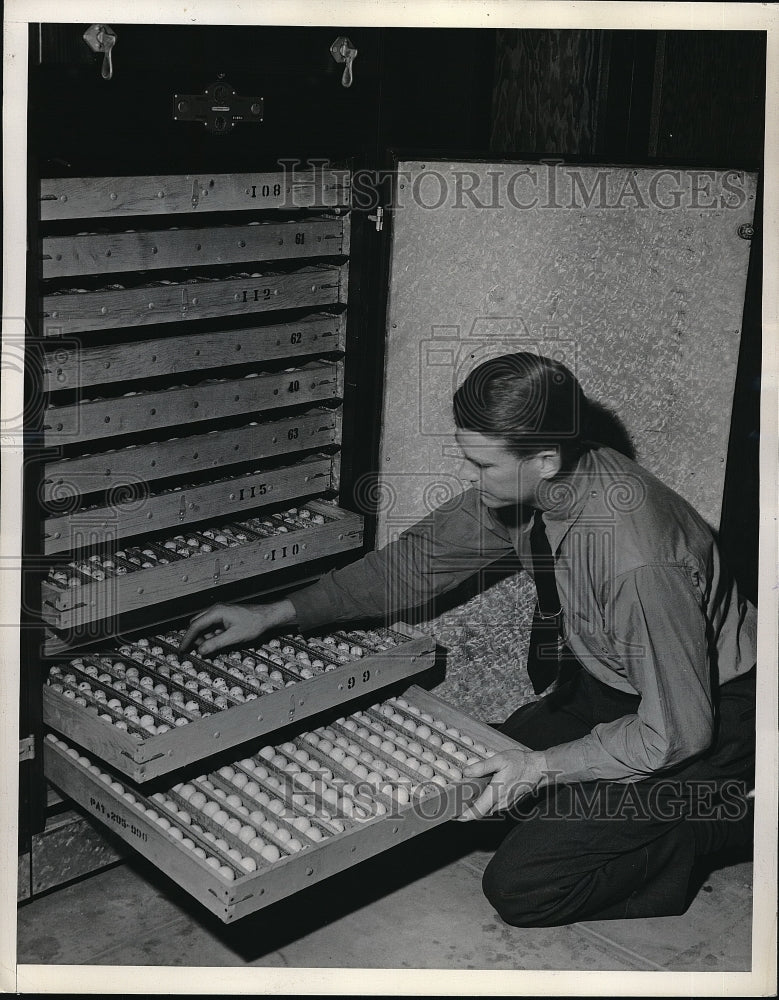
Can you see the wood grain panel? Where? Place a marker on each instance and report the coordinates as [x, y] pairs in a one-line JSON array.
[[545, 91], [712, 101], [79, 312], [173, 194]]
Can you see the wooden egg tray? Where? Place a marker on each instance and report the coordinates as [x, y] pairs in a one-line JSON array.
[[147, 711], [67, 366], [271, 823], [116, 468], [159, 573], [173, 194], [180, 505], [80, 310], [133, 412], [114, 252]]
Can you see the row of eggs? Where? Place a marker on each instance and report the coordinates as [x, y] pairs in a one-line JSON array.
[[174, 691], [123, 561], [300, 369], [202, 279]]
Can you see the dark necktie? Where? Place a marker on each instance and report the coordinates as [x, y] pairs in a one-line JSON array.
[[545, 650]]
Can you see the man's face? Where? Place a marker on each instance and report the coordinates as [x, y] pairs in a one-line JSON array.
[[502, 479]]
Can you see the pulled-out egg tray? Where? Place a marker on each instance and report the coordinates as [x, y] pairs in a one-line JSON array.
[[146, 710], [268, 825], [87, 591]]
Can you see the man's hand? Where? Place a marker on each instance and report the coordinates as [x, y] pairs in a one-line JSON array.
[[515, 773], [226, 625]]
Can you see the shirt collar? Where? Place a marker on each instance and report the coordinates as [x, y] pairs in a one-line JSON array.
[[566, 497]]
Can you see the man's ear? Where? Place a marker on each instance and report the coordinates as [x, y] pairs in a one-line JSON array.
[[550, 462]]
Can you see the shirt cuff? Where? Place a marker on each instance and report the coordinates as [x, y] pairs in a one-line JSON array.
[[313, 607], [584, 760]]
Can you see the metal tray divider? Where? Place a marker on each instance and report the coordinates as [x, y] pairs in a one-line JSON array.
[[435, 726], [211, 666], [301, 647], [401, 766], [95, 660], [133, 729], [298, 789], [180, 685], [205, 667], [349, 778], [264, 834], [324, 825], [344, 775], [218, 781], [208, 845]]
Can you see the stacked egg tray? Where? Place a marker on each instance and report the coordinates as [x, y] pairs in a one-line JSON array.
[[106, 251], [147, 709], [270, 823], [78, 310], [100, 586], [186, 502], [97, 417], [121, 469]]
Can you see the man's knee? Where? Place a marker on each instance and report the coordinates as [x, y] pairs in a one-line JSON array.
[[518, 884], [522, 903]]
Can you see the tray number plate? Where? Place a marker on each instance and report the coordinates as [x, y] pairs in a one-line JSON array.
[[266, 190], [276, 555], [353, 680]]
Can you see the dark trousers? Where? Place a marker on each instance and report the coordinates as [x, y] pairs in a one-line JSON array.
[[605, 850]]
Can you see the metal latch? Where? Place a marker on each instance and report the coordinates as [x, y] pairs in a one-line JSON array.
[[27, 749], [219, 108], [102, 38], [378, 219], [343, 51]]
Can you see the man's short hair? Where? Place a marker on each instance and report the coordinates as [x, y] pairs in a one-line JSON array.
[[528, 401]]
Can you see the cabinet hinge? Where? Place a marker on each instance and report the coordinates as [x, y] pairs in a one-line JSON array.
[[27, 749], [378, 219]]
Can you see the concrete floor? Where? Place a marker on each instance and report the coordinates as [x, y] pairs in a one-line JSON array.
[[419, 906]]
